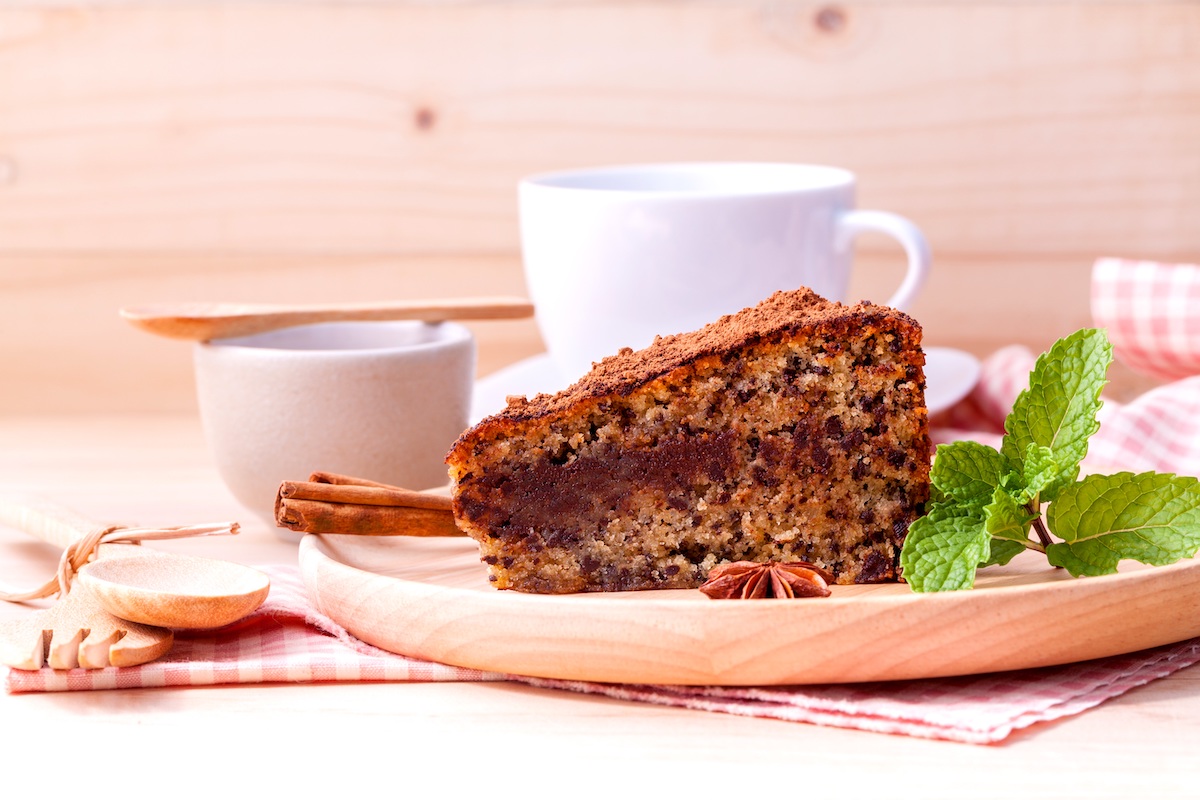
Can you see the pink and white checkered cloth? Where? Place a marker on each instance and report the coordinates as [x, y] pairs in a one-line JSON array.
[[288, 641], [1152, 313]]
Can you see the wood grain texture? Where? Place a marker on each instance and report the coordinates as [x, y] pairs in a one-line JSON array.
[[431, 600], [403, 127], [63, 347], [312, 150]]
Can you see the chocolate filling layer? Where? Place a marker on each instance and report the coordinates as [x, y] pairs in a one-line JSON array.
[[549, 500]]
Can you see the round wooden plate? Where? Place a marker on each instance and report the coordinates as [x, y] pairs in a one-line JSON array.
[[430, 599]]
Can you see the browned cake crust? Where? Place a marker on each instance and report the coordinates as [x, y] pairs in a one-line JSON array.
[[794, 430]]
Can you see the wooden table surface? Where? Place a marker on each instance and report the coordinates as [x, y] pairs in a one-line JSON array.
[[156, 470]]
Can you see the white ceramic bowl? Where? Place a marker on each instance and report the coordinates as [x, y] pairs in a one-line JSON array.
[[377, 400]]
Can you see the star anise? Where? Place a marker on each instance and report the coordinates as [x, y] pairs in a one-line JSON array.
[[746, 580]]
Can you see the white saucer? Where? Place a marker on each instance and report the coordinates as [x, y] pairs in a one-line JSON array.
[[949, 375]]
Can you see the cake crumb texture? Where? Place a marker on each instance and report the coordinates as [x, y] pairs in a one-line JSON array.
[[795, 430]]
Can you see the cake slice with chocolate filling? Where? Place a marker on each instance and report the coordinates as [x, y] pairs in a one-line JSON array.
[[795, 430]]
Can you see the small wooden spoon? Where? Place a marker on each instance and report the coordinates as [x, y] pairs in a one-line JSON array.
[[169, 590], [205, 321]]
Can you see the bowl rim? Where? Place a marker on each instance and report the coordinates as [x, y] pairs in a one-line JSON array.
[[446, 335]]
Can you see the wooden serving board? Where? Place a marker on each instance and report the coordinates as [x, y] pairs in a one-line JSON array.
[[430, 599]]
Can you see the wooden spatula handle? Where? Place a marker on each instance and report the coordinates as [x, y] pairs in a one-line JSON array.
[[44, 520], [206, 321]]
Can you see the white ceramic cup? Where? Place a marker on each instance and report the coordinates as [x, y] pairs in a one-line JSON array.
[[617, 255], [377, 400]]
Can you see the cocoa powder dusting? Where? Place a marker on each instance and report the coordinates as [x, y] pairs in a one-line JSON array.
[[780, 314]]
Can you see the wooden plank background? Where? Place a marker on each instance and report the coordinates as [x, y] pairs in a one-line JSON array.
[[299, 151]]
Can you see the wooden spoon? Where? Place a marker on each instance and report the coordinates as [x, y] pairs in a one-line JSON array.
[[175, 591], [89, 628], [205, 321]]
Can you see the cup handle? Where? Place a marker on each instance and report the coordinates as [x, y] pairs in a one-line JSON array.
[[852, 223]]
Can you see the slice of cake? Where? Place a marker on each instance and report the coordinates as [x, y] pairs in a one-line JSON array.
[[792, 431]]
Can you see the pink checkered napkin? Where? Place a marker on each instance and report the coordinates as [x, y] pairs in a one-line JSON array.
[[976, 710], [287, 641], [1152, 313]]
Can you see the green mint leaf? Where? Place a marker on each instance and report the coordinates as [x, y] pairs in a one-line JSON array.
[[1058, 410], [1153, 518], [1013, 483], [1006, 518], [967, 471], [1043, 477], [1007, 521], [944, 547], [1002, 552]]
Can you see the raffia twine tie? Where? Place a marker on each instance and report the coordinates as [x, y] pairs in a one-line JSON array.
[[83, 550]]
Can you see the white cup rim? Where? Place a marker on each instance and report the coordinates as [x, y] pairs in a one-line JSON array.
[[362, 338], [707, 179]]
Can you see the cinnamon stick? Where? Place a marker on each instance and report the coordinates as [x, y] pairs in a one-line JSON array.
[[331, 503]]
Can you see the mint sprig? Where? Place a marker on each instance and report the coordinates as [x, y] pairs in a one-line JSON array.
[[1058, 410], [989, 505]]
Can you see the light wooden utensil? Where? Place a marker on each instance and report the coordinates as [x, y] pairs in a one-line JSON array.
[[77, 632], [205, 321], [174, 591], [120, 606]]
